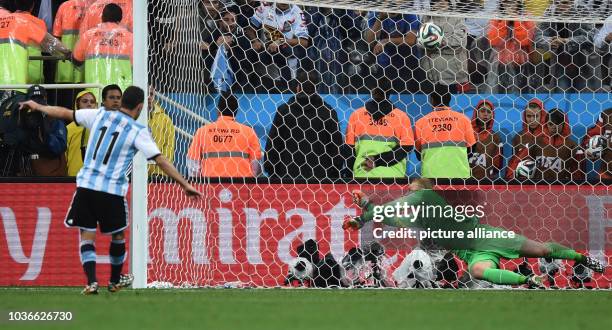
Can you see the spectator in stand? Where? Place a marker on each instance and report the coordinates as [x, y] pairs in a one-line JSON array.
[[51, 160], [17, 35], [534, 126], [381, 136], [479, 49], [392, 38], [329, 28], [111, 97], [602, 127], [78, 136], [513, 42], [557, 157], [442, 138], [602, 42], [279, 34], [305, 140], [24, 8], [447, 64], [95, 12], [225, 148], [106, 50], [162, 131], [236, 45], [569, 44], [486, 155]]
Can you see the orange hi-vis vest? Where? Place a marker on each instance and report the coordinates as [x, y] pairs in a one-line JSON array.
[[16, 34], [107, 53], [225, 148], [93, 17], [442, 137], [66, 28], [372, 138], [35, 67]]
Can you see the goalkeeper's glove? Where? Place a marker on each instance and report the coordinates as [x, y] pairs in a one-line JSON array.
[[352, 223]]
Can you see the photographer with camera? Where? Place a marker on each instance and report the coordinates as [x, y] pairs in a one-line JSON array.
[[31, 144]]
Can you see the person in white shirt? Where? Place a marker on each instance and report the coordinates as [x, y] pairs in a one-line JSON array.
[[280, 36], [602, 42]]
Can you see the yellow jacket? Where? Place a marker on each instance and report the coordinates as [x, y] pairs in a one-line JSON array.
[[77, 142], [162, 130]]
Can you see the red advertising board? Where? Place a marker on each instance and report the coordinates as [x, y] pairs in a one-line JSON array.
[[248, 232]]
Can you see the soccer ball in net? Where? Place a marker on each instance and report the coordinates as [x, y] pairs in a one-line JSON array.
[[525, 169], [430, 35], [300, 269], [596, 146]]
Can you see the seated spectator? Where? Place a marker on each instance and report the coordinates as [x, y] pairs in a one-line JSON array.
[[486, 155], [225, 148], [106, 50], [447, 64], [279, 34], [50, 159], [392, 38], [602, 127], [78, 136], [534, 126], [24, 8], [602, 42], [513, 42], [230, 38], [305, 140], [95, 12], [162, 131], [442, 139], [381, 136], [111, 98], [557, 157], [569, 44]]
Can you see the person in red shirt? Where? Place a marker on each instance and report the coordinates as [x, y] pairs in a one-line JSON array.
[[485, 156]]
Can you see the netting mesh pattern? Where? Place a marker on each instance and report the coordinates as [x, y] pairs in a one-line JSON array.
[[512, 98]]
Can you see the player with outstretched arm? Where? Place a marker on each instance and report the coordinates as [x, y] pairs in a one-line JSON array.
[[481, 254], [102, 182]]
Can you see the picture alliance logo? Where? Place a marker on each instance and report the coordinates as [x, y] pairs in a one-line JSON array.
[[413, 212]]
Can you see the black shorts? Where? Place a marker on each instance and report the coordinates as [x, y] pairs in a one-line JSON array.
[[90, 208]]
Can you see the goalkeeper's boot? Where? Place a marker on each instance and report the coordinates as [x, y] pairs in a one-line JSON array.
[[125, 280], [90, 289], [594, 264], [359, 198], [535, 282], [352, 223]]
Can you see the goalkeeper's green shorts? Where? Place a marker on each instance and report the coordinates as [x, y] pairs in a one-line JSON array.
[[492, 249]]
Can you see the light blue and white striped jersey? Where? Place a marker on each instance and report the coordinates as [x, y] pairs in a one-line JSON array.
[[114, 139]]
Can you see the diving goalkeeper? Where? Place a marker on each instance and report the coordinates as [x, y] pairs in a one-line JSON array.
[[481, 254]]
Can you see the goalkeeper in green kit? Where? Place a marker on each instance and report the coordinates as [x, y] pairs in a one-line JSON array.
[[481, 254]]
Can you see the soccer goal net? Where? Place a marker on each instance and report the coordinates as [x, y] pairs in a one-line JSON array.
[[295, 104]]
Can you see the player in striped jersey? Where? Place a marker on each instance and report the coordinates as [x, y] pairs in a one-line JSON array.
[[102, 182]]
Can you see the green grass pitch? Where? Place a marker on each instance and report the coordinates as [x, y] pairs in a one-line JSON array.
[[312, 309]]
